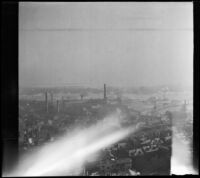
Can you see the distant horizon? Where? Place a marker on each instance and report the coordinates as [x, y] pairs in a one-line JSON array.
[[107, 85]]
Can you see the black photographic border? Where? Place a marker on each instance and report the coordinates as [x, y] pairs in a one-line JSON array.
[[9, 84]]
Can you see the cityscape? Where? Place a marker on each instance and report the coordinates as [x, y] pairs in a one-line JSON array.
[[44, 114], [105, 89]]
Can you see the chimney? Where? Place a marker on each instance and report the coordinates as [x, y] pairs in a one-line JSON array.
[[63, 102], [46, 102], [58, 109], [185, 106], [105, 92], [51, 98]]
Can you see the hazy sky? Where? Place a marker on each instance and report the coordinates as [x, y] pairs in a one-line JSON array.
[[122, 44]]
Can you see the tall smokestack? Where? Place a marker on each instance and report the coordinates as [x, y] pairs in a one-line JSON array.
[[46, 102], [58, 109], [51, 98], [63, 102], [105, 92], [184, 108]]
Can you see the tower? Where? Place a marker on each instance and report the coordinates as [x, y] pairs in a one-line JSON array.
[[46, 102], [58, 109], [105, 92], [184, 107], [63, 102], [51, 98]]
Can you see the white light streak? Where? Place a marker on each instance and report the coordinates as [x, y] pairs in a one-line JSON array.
[[67, 155], [181, 160]]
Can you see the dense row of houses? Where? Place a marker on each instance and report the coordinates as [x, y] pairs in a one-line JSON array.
[[147, 140]]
